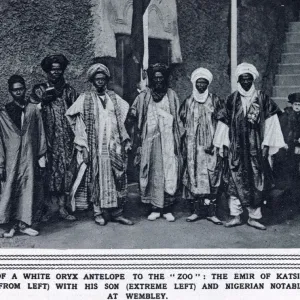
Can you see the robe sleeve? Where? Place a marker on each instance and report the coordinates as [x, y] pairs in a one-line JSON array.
[[273, 137], [42, 144], [183, 111], [221, 137], [75, 117], [2, 152], [124, 107]]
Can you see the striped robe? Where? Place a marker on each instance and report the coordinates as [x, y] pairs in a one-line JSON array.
[[102, 131]]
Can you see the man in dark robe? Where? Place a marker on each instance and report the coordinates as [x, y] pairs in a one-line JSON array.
[[202, 175], [249, 132], [22, 153], [158, 133], [287, 161], [54, 97], [97, 118]]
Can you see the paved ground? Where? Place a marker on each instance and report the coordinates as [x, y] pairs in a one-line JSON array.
[[283, 232]]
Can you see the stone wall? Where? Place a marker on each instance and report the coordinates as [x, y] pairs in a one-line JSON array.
[[204, 32], [204, 29], [262, 25], [31, 29]]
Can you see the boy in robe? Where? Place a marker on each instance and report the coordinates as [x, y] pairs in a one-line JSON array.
[[22, 154]]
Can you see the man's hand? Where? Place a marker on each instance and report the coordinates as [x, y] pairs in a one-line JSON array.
[[2, 174], [127, 146], [85, 155], [265, 151], [137, 159], [42, 162]]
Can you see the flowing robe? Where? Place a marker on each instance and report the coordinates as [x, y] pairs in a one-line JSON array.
[[59, 136], [101, 131], [287, 162], [250, 172], [159, 131], [20, 150], [203, 167]]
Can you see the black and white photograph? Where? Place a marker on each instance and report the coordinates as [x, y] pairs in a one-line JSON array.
[[150, 124]]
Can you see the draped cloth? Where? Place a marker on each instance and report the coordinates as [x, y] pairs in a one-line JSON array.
[[102, 131], [20, 149], [59, 134], [203, 167], [159, 157], [250, 172]]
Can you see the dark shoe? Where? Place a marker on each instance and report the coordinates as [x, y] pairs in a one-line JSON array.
[[123, 220], [100, 220], [65, 215], [192, 218], [255, 224], [235, 221]]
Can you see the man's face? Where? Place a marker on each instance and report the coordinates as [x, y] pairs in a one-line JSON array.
[[201, 85], [296, 106], [158, 81], [56, 73], [100, 81], [246, 81], [18, 91]]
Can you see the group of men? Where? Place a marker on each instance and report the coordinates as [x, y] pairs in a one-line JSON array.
[[194, 150]]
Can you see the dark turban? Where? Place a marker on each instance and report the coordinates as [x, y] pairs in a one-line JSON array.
[[15, 79], [47, 62], [295, 97], [159, 67]]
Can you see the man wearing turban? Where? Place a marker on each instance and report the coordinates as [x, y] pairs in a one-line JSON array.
[[158, 132], [97, 118], [54, 97], [201, 178], [248, 132]]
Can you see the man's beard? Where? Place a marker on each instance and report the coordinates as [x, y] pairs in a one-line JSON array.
[[159, 87]]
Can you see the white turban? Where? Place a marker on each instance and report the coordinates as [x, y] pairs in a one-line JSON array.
[[246, 68], [97, 68], [201, 73]]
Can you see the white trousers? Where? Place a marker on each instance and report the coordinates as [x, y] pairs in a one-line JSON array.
[[236, 209]]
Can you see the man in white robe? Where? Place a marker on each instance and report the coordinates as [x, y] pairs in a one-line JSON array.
[[202, 176], [158, 133]]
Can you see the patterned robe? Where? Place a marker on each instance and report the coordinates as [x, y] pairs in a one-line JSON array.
[[250, 173], [201, 176], [159, 131], [20, 150], [102, 131], [59, 135]]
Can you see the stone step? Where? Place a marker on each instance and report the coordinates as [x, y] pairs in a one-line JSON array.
[[294, 27], [284, 91], [287, 69], [281, 102], [293, 37], [290, 58], [291, 47], [287, 80]]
